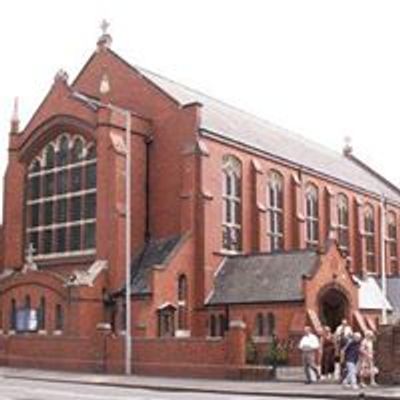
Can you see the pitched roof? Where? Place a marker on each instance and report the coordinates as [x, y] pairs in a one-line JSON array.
[[393, 292], [263, 278], [370, 295], [231, 123], [155, 252]]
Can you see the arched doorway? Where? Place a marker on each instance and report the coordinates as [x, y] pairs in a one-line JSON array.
[[333, 307]]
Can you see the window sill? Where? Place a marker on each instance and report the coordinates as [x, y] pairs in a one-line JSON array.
[[57, 333], [214, 338], [73, 258], [42, 332], [224, 252], [182, 334]]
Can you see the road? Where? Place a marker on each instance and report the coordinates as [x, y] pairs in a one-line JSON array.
[[21, 389]]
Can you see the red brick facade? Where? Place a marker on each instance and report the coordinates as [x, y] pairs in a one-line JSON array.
[[176, 190]]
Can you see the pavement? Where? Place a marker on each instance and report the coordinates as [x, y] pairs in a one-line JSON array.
[[278, 388]]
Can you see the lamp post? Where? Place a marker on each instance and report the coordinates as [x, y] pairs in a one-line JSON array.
[[104, 88]]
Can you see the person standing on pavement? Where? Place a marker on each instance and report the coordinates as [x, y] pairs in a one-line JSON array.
[[367, 366], [342, 334], [309, 345], [328, 354], [351, 357]]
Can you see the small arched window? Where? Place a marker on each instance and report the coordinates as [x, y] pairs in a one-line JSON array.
[[343, 223], [221, 325], [13, 315], [260, 325], [231, 200], [312, 216], [182, 302], [213, 325], [42, 314], [59, 318], [369, 237], [271, 323], [392, 241], [275, 210]]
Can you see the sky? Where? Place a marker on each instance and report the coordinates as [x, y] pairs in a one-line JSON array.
[[324, 69]]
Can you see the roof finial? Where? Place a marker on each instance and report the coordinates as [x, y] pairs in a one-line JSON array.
[[105, 39], [15, 117], [348, 148]]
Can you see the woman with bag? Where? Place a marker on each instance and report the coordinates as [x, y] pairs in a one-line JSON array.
[[367, 368]]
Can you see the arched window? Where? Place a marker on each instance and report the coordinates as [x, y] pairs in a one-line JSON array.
[[312, 216], [59, 318], [275, 210], [369, 237], [271, 323], [213, 325], [42, 314], [392, 241], [61, 205], [232, 208], [13, 315], [260, 325], [182, 302], [343, 223]]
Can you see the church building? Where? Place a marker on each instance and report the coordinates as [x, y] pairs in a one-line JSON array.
[[231, 219]]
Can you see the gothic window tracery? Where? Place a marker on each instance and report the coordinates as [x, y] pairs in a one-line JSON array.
[[61, 200], [312, 216], [275, 210], [231, 198]]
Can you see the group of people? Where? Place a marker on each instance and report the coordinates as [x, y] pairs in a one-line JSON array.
[[343, 355]]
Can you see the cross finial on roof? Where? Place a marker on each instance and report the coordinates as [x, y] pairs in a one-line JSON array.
[[105, 39], [104, 26], [348, 148]]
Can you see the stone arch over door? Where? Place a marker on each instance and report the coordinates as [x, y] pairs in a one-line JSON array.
[[334, 304]]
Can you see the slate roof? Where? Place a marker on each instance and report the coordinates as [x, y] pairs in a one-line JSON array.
[[393, 292], [263, 278], [154, 252], [231, 123]]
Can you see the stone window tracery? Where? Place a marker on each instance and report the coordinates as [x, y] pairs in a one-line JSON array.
[[369, 237], [231, 203], [275, 210], [61, 199], [343, 223], [392, 241], [312, 216]]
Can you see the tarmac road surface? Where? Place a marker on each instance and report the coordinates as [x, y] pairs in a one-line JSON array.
[[21, 389]]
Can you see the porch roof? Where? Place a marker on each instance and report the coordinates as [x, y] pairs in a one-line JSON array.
[[263, 278]]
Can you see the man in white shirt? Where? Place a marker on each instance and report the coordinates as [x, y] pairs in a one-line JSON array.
[[309, 345]]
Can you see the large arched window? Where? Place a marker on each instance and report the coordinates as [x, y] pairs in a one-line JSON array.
[[312, 216], [275, 210], [232, 207], [369, 237], [343, 223], [182, 302], [61, 201], [392, 241]]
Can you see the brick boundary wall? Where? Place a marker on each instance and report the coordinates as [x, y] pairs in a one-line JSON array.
[[223, 358], [388, 354]]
